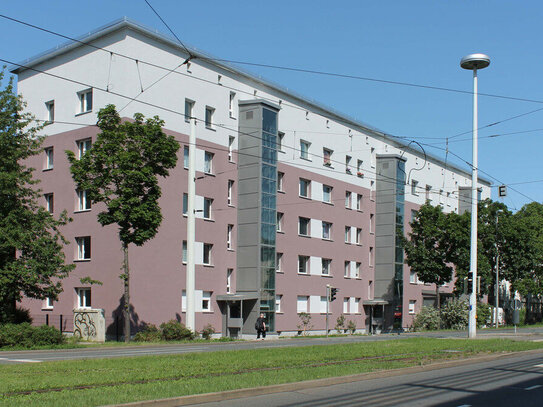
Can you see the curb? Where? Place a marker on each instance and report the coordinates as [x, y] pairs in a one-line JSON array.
[[279, 388]]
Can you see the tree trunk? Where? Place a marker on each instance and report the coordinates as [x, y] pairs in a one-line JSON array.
[[438, 302], [126, 311]]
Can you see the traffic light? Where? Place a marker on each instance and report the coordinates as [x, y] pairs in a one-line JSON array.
[[468, 284], [333, 292]]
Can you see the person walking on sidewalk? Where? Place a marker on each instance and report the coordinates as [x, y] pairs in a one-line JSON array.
[[260, 326]]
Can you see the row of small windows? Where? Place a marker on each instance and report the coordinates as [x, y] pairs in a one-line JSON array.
[[304, 303], [304, 191], [209, 118], [84, 105], [82, 202], [327, 159], [82, 147]]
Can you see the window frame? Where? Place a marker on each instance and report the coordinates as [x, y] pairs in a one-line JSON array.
[[208, 162], [307, 189], [208, 118], [327, 190], [83, 248], [50, 107], [304, 226], [326, 230], [83, 203], [49, 162], [304, 152], [49, 202], [83, 101], [189, 108], [83, 146], [326, 265], [303, 264], [84, 297], [207, 211], [207, 252]]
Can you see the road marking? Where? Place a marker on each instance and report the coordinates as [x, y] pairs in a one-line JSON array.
[[465, 405], [537, 340], [540, 365], [21, 360], [537, 386]]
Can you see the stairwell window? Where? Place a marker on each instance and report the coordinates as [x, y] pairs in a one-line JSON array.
[[189, 107], [230, 198], [231, 105], [229, 230]]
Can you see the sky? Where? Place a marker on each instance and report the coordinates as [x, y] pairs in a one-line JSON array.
[[417, 42]]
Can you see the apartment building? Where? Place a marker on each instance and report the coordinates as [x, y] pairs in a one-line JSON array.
[[291, 196]]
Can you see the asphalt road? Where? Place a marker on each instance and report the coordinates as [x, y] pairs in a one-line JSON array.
[[512, 381], [142, 350]]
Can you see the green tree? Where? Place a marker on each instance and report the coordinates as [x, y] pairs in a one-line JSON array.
[[428, 249], [121, 170], [32, 262]]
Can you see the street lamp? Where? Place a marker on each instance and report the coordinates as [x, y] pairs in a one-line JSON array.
[[474, 62], [497, 269]]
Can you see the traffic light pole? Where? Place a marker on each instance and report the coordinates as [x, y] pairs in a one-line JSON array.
[[327, 306]]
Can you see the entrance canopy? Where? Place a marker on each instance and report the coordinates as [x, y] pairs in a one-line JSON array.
[[237, 297]]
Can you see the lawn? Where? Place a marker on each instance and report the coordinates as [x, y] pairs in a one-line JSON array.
[[119, 380]]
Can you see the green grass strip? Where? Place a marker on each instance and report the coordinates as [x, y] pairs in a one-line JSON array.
[[119, 380]]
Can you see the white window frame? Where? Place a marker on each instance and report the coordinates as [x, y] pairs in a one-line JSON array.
[[302, 303], [347, 269], [307, 184], [412, 304], [280, 176], [358, 202], [84, 99], [209, 116], [50, 107], [48, 303], [414, 187], [327, 193], [279, 262], [231, 141], [304, 150], [84, 297], [279, 227], [347, 234], [231, 105], [207, 252], [348, 160], [207, 211], [206, 301], [83, 203], [280, 141], [49, 158], [348, 199], [185, 204], [370, 255], [306, 222], [326, 266], [358, 267], [303, 264], [49, 202], [278, 298], [327, 157], [189, 107], [372, 223], [83, 146], [184, 252], [83, 246], [229, 230], [229, 273], [186, 157], [208, 162], [345, 305], [358, 237], [327, 230], [229, 197]]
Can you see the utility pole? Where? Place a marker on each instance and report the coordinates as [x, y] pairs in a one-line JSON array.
[[191, 231], [497, 302], [327, 306]]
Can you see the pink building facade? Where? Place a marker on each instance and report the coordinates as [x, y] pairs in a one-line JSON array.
[[340, 190]]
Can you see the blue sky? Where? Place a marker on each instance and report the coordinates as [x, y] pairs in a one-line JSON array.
[[418, 42]]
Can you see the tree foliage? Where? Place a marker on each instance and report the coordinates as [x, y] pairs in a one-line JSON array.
[[32, 262], [121, 170]]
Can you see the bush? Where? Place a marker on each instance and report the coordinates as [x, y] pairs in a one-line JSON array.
[[208, 331], [455, 315], [426, 320], [27, 336], [175, 331], [483, 314], [150, 333], [351, 326], [340, 324]]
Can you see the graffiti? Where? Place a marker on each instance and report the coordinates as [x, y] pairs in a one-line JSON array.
[[84, 325]]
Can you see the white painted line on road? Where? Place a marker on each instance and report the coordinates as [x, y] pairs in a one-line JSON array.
[[465, 405], [537, 386], [537, 340], [23, 360]]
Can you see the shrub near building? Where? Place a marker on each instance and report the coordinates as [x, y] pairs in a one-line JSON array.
[[28, 336]]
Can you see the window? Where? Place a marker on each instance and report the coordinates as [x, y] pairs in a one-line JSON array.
[[280, 176], [372, 190], [280, 141], [50, 107], [322, 304], [279, 222], [303, 226], [347, 269], [327, 123], [208, 247], [358, 202], [359, 168], [355, 306], [326, 263], [229, 280], [48, 303], [83, 247], [370, 290], [229, 236], [412, 277], [184, 258], [372, 223], [412, 306], [83, 297], [206, 301], [189, 107], [209, 117], [49, 158], [185, 203], [49, 202], [231, 140], [348, 164], [278, 299], [230, 192], [186, 157], [208, 162], [357, 269], [358, 238], [304, 149], [348, 199], [414, 186], [208, 202], [327, 193], [326, 230], [372, 157], [304, 187], [347, 234], [231, 105], [83, 203], [83, 146], [303, 264], [85, 101], [371, 257], [327, 157], [279, 262], [301, 303]]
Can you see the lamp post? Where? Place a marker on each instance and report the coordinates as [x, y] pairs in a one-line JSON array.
[[497, 302], [474, 62]]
